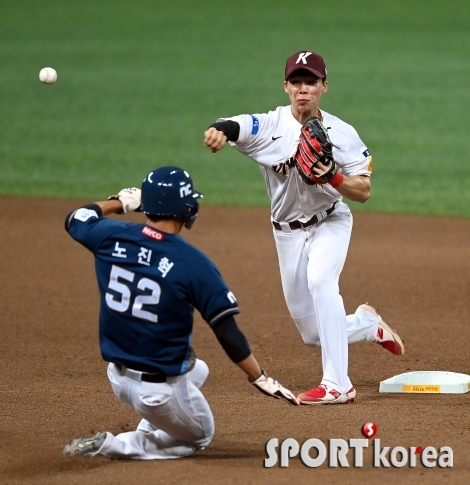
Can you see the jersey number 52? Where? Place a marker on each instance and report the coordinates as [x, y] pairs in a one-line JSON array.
[[152, 298]]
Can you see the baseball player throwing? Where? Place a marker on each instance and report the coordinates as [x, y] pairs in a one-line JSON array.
[[311, 223], [150, 280]]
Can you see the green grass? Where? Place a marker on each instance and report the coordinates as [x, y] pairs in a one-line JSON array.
[[139, 82]]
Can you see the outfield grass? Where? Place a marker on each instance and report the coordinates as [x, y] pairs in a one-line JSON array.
[[139, 82]]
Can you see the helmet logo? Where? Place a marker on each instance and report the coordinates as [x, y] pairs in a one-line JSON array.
[[185, 190]]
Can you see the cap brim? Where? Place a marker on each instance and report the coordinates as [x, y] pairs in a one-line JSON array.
[[305, 68]]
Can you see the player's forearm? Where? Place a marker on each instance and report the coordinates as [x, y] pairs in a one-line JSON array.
[[102, 208], [355, 187], [231, 129], [108, 207], [250, 367], [236, 346]]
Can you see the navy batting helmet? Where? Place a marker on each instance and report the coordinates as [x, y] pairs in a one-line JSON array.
[[168, 192]]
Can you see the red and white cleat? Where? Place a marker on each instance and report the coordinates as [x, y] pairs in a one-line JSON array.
[[386, 337], [324, 394]]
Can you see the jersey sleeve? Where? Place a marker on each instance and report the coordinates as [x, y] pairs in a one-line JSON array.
[[357, 160], [255, 132], [89, 229], [208, 292]]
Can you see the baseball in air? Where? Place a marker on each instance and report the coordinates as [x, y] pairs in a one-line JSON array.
[[48, 75]]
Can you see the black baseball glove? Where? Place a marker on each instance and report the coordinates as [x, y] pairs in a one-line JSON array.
[[315, 146]]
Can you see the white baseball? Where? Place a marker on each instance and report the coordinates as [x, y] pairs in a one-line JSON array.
[[48, 75]]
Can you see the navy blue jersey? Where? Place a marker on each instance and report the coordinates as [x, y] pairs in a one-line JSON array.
[[149, 282]]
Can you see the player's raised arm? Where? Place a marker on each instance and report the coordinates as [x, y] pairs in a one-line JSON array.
[[126, 200], [217, 135], [236, 346]]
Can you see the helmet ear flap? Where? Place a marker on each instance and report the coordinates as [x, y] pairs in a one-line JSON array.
[[192, 214]]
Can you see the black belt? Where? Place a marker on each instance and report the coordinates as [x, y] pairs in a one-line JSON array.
[[155, 377], [300, 225]]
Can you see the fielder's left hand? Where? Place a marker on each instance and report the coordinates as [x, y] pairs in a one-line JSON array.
[[271, 387]]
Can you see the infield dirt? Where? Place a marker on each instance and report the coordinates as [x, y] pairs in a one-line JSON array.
[[53, 387]]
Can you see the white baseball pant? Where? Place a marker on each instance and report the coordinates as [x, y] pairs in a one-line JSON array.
[[176, 418], [311, 261]]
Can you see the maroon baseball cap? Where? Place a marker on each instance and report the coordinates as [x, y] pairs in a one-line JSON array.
[[310, 61]]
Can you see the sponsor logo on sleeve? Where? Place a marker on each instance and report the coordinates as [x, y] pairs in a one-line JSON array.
[[84, 214], [255, 128], [367, 154]]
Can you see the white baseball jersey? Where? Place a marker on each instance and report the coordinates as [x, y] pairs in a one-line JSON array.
[[271, 140], [310, 281]]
